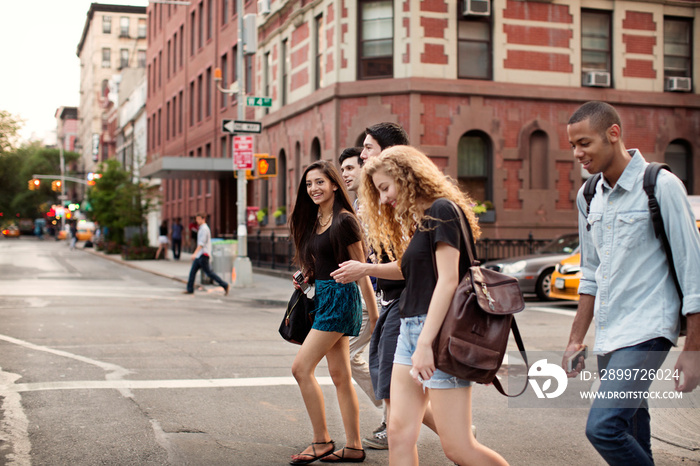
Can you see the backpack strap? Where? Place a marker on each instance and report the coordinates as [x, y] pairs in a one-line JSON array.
[[650, 175], [589, 193]]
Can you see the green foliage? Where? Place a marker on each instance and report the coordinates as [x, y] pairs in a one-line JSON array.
[[18, 167], [261, 214], [9, 128], [117, 202]]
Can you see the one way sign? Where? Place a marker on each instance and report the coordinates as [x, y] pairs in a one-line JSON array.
[[238, 126]]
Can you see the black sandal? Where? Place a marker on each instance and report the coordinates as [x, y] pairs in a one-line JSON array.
[[314, 457], [333, 458]]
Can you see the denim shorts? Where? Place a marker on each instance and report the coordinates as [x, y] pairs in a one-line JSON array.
[[406, 346]]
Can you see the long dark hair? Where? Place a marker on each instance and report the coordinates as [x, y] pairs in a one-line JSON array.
[[302, 223]]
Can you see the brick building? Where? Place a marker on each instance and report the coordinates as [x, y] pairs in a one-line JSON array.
[[113, 39], [485, 88]]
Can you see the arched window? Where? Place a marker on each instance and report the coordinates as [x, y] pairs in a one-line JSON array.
[[282, 179], [539, 163], [315, 150], [474, 165], [678, 156], [297, 166]]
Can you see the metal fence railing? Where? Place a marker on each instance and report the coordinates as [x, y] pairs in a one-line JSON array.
[[276, 252]]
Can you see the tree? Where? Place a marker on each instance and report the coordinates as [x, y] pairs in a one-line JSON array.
[[9, 128], [18, 167], [117, 202]]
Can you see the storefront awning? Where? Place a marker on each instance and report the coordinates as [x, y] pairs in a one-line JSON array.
[[188, 168]]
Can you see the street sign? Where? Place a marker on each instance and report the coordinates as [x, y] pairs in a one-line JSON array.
[[242, 152], [258, 101], [238, 126]]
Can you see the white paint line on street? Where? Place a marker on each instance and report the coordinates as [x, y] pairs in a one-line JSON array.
[[156, 384], [14, 425], [561, 312]]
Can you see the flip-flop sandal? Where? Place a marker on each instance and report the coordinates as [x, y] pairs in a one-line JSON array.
[[314, 457], [333, 458]]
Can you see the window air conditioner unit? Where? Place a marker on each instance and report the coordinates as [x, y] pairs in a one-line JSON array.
[[596, 79], [678, 84], [477, 8], [263, 7]]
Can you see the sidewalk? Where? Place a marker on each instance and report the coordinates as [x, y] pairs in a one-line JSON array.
[[270, 287]]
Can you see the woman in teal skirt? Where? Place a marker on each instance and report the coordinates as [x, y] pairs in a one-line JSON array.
[[326, 232]]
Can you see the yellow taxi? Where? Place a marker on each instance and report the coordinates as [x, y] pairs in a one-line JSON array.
[[11, 231], [566, 278]]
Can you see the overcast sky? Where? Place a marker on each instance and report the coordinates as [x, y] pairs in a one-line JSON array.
[[39, 68]]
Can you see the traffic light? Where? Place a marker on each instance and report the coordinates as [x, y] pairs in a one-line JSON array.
[[265, 166], [34, 184], [56, 185]]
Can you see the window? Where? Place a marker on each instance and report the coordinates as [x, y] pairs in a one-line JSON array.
[[142, 29], [474, 49], [160, 68], [224, 142], [539, 165], [224, 12], [106, 25], [474, 165], [124, 26], [123, 58], [201, 24], [141, 58], [106, 58], [209, 95], [376, 39], [282, 179], [180, 112], [182, 45], [283, 72], [159, 126], [174, 129], [193, 24], [210, 18], [200, 99], [678, 57], [315, 150], [207, 150], [679, 157], [224, 79], [192, 108], [318, 53], [266, 78], [175, 52], [167, 57], [167, 121], [596, 46]]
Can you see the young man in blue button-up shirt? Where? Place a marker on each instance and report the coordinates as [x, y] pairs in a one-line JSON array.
[[626, 284]]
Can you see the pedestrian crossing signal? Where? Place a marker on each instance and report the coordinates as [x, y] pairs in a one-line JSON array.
[[265, 166]]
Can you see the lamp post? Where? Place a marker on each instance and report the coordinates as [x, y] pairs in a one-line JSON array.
[[242, 265]]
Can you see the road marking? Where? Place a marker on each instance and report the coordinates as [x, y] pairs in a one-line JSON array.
[[561, 312], [156, 384]]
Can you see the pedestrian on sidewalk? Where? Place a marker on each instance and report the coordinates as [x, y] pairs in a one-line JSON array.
[[162, 239], [326, 232], [635, 324], [411, 208], [201, 255], [351, 170], [176, 238]]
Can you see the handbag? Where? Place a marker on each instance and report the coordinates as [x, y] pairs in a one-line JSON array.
[[298, 318], [473, 337]]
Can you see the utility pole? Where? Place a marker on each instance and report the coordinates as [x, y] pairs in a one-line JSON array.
[[242, 265]]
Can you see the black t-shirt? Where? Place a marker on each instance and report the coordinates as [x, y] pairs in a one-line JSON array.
[[163, 231], [325, 259], [391, 289], [418, 262]]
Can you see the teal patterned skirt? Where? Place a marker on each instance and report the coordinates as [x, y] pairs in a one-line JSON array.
[[338, 308]]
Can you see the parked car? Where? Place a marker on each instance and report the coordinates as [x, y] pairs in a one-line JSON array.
[[566, 278], [11, 231], [534, 271]]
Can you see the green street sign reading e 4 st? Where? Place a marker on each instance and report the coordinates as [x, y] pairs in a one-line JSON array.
[[259, 101]]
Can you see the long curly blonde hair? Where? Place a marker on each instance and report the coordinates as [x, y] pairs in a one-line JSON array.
[[417, 178]]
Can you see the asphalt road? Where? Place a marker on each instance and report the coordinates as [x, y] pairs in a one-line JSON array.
[[106, 364]]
